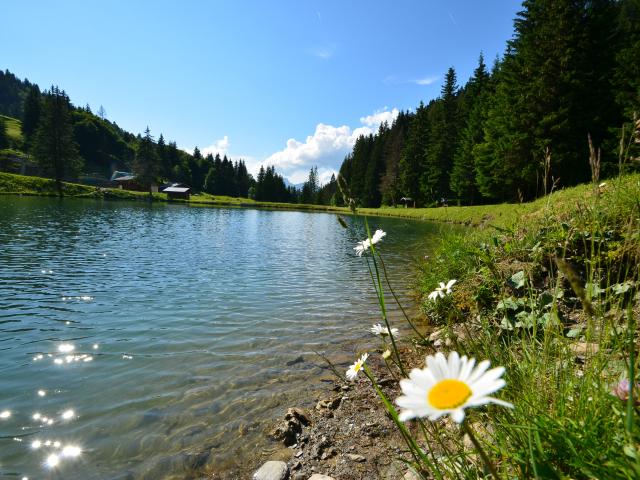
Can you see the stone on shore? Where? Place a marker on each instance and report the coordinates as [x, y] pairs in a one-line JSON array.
[[319, 476], [272, 470]]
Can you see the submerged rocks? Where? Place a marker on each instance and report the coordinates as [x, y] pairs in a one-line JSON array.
[[272, 470]]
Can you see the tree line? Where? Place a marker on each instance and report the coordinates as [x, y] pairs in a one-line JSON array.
[[571, 70], [66, 140]]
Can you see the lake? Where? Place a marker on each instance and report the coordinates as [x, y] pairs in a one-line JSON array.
[[151, 341]]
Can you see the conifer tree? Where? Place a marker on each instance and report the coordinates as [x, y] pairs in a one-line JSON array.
[[474, 106], [310, 188], [442, 146], [390, 180], [164, 166], [146, 162], [54, 146], [412, 157], [627, 70], [31, 114]]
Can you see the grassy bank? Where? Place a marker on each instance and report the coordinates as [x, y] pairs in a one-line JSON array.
[[500, 216], [550, 294], [12, 184], [14, 128]]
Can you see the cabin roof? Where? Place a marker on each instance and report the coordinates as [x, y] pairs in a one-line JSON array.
[[176, 190], [117, 175]]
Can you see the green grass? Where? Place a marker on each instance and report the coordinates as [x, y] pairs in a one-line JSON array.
[[14, 128], [27, 185], [551, 294]]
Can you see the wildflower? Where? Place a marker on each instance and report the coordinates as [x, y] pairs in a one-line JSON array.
[[364, 245], [442, 290], [621, 390], [386, 354], [356, 367], [378, 329], [448, 386]]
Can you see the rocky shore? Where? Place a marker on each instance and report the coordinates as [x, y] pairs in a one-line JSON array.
[[347, 436]]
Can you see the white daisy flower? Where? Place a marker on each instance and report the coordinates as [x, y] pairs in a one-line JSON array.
[[364, 245], [448, 386], [442, 290], [356, 367], [377, 236], [378, 329]]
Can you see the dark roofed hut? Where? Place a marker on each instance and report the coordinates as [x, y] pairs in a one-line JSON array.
[[177, 193]]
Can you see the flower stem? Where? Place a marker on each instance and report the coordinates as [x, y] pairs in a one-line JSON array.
[[485, 458], [386, 277], [417, 453]]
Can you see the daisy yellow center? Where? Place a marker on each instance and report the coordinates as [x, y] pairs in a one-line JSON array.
[[357, 366], [448, 394]]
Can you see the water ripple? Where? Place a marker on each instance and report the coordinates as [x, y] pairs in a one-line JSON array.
[[159, 331]]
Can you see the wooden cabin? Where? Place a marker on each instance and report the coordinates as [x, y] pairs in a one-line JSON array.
[[177, 193]]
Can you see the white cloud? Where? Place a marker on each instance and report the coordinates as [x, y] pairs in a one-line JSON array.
[[324, 52], [219, 146], [426, 80], [396, 80], [380, 116], [326, 148]]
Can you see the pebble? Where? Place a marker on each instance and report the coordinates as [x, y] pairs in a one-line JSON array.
[[319, 476], [411, 475], [272, 470], [355, 457]]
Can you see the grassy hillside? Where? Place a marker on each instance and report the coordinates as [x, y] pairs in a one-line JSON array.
[[550, 292], [14, 128], [27, 185]]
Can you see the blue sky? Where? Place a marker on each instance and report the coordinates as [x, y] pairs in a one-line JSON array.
[[289, 83]]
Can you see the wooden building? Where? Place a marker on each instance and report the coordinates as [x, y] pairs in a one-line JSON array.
[[177, 193]]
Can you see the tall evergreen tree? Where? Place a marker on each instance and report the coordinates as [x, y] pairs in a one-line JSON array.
[[474, 106], [163, 158], [371, 196], [390, 181], [627, 70], [441, 149], [31, 114], [551, 93], [146, 161], [310, 188], [412, 157], [54, 146]]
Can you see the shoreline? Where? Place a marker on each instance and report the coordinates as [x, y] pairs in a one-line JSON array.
[[475, 216]]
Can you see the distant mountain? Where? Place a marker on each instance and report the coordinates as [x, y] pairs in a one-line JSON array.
[[288, 183]]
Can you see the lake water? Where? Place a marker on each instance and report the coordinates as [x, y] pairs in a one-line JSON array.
[[155, 341]]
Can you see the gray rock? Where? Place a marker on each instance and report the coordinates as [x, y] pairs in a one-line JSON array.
[[330, 403], [319, 476], [272, 470], [299, 414], [355, 458], [412, 475]]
